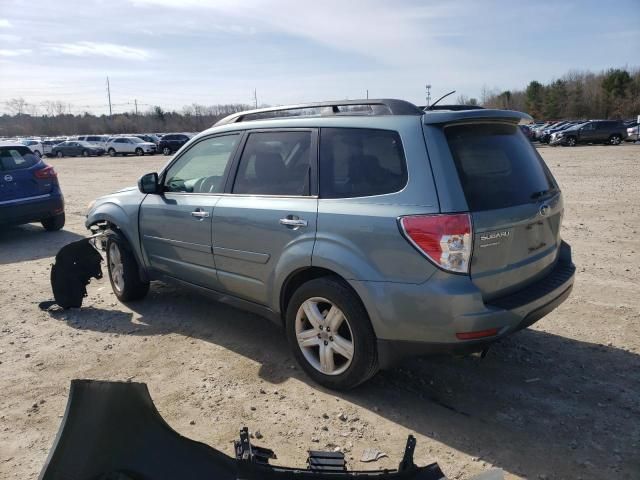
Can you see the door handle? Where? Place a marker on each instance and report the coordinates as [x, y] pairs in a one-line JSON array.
[[199, 214], [293, 222]]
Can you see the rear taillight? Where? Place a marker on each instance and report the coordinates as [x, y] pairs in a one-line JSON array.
[[46, 172], [445, 239]]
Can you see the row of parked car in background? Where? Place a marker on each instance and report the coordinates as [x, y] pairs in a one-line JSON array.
[[573, 132], [97, 145]]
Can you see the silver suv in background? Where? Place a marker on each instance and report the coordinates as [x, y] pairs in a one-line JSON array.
[[370, 230], [97, 141], [130, 145]]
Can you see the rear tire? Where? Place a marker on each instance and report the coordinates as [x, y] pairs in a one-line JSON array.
[[615, 140], [124, 273], [111, 152], [166, 151], [85, 153], [571, 141], [53, 224], [59, 154], [353, 335], [139, 152]]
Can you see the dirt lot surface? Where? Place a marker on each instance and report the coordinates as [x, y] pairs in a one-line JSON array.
[[560, 400]]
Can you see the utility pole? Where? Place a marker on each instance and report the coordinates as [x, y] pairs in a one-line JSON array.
[[255, 97], [428, 87], [136, 104], [367, 94], [109, 96]]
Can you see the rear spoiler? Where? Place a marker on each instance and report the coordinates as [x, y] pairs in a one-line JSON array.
[[461, 116]]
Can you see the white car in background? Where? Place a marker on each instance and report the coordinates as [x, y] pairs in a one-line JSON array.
[[130, 145], [35, 146], [98, 141]]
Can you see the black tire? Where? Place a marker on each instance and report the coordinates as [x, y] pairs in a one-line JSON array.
[[364, 362], [139, 152], [53, 224], [615, 139], [571, 141], [111, 152], [166, 151], [60, 154], [131, 287], [85, 153]]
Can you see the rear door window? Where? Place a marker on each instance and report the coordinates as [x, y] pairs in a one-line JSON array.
[[497, 166], [275, 163], [359, 162], [16, 158]]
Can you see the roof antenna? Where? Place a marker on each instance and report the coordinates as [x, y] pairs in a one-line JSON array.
[[430, 107]]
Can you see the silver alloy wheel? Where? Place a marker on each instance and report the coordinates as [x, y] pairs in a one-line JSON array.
[[166, 151], [324, 336], [116, 268], [571, 142], [615, 140]]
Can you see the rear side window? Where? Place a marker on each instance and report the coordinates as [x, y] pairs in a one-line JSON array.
[[360, 162], [16, 158], [497, 166], [275, 163]]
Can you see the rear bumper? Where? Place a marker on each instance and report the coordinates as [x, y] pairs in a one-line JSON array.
[[32, 209], [424, 319]]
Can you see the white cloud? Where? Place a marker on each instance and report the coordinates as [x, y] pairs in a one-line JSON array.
[[14, 53], [112, 50], [4, 23]]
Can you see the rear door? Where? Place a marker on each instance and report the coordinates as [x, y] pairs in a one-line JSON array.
[[175, 225], [270, 211], [17, 174], [515, 204]]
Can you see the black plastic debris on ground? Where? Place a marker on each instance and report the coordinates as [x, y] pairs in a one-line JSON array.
[[113, 431], [75, 265]]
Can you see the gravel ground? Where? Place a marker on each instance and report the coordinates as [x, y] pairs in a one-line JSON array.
[[559, 400]]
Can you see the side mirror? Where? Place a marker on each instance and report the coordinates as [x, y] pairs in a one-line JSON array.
[[148, 183]]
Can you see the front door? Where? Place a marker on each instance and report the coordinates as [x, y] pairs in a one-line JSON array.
[[175, 226], [266, 224]]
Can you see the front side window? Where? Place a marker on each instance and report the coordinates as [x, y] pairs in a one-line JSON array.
[[275, 163], [203, 167], [360, 162]]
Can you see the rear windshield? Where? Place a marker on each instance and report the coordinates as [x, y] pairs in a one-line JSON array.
[[15, 158], [497, 166]]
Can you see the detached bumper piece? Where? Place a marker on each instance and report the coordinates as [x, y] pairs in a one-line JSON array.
[[113, 431]]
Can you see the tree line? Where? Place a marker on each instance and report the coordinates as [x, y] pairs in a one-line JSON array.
[[614, 93], [192, 118]]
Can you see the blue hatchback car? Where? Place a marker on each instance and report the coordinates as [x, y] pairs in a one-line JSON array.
[[29, 189]]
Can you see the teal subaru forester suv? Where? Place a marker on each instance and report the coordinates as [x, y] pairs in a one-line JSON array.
[[370, 230]]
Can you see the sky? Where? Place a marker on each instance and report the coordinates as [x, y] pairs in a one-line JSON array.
[[178, 52]]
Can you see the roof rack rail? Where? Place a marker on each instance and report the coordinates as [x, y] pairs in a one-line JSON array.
[[383, 106]]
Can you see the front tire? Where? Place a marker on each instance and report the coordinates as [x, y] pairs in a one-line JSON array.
[[139, 152], [571, 141], [60, 154], [330, 334], [166, 151], [111, 152], [53, 224], [123, 269], [85, 153]]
